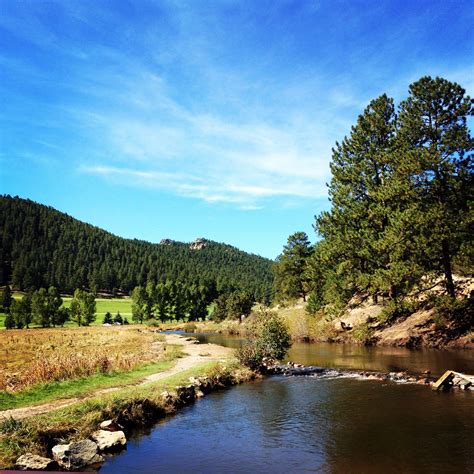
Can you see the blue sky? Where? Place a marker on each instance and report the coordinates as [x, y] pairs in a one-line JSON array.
[[180, 119]]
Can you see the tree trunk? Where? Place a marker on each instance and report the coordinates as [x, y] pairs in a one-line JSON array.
[[375, 298], [392, 292], [448, 272]]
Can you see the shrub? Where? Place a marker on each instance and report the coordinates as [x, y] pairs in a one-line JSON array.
[[396, 308], [363, 333], [270, 341]]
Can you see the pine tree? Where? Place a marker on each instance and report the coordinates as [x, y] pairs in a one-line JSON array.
[[290, 280], [108, 318], [362, 201], [83, 307], [9, 321], [140, 304], [6, 299], [39, 308], [438, 156]]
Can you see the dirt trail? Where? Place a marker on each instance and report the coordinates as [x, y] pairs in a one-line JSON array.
[[194, 355]]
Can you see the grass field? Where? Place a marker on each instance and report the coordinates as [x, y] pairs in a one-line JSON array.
[[104, 305], [29, 358]]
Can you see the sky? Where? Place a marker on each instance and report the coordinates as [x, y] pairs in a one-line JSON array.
[[184, 119]]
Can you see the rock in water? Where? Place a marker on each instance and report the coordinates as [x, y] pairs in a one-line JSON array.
[[77, 455], [109, 440], [33, 462]]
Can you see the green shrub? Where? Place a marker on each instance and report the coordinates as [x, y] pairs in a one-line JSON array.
[[270, 341], [445, 308], [396, 308], [363, 333]]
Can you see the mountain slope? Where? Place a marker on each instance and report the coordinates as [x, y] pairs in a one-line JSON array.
[[41, 246]]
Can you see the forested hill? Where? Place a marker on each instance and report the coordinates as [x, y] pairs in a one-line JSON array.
[[41, 246]]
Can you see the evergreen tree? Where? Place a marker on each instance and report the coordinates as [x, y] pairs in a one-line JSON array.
[[21, 311], [54, 303], [6, 299], [118, 318], [140, 304], [108, 318], [83, 307], [290, 279], [61, 316], [438, 157], [39, 308], [9, 321]]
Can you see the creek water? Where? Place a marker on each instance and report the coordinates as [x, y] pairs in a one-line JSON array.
[[318, 424]]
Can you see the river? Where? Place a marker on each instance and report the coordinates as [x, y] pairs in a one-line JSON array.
[[314, 424]]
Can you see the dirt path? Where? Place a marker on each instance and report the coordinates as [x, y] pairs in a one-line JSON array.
[[194, 355]]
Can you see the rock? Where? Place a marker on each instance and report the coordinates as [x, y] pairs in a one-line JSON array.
[[109, 440], [110, 425], [77, 455], [198, 244], [199, 393], [186, 394], [33, 462]]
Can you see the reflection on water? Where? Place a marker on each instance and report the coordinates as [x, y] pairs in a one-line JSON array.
[[305, 424], [351, 356]]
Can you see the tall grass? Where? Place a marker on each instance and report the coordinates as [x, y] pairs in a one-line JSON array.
[[31, 357]]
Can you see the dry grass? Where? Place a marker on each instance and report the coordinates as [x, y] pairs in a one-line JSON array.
[[29, 357]]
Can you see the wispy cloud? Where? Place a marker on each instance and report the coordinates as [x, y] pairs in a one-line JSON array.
[[200, 100]]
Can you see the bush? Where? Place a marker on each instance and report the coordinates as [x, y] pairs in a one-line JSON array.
[[447, 308], [270, 341], [363, 333], [396, 308]]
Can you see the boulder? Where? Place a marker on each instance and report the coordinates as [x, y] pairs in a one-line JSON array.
[[109, 440], [33, 462], [77, 455]]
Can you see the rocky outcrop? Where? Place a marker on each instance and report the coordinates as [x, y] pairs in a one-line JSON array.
[[77, 455], [109, 440], [167, 242], [199, 244], [33, 462]]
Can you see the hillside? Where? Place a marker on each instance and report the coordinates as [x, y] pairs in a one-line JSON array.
[[426, 321], [41, 246]]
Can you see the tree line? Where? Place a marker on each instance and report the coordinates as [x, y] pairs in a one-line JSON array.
[[171, 301], [42, 247], [44, 307], [401, 197]]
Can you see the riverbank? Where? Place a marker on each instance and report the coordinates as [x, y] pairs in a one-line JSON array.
[[367, 323], [36, 430]]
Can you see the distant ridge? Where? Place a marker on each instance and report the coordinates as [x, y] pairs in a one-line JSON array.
[[41, 246]]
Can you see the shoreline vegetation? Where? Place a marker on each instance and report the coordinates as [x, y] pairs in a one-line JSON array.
[[188, 371], [209, 367]]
